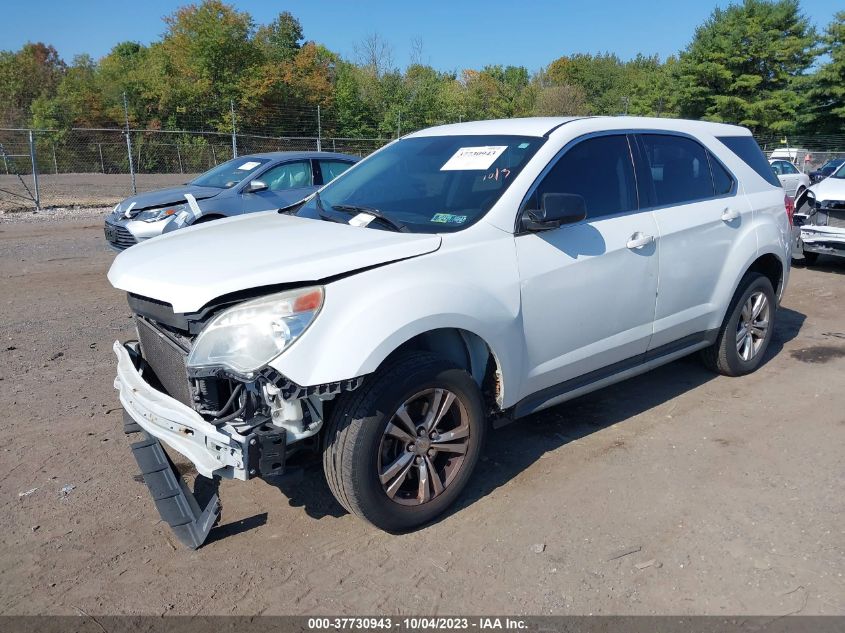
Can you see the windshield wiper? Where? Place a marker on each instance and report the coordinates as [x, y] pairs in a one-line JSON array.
[[355, 208], [321, 210]]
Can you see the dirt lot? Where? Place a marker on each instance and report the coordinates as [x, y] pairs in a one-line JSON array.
[[728, 493], [79, 190]]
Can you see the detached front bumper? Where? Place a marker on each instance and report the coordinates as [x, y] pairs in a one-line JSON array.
[[214, 451], [823, 240]]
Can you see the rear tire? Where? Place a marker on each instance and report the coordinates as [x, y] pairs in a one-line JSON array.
[[746, 330], [378, 462]]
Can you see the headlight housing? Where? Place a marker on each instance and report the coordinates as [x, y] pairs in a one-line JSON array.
[[154, 215], [244, 338]]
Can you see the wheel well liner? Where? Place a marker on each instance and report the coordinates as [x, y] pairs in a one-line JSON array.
[[467, 350], [769, 266]]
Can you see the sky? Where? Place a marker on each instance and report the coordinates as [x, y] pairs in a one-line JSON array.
[[456, 34]]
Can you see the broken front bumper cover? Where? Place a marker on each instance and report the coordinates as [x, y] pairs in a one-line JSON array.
[[216, 452], [823, 240], [213, 450]]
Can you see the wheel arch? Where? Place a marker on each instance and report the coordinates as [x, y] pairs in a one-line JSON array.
[[770, 266], [467, 350]]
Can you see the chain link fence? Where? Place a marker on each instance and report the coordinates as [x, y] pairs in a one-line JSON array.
[[808, 152], [85, 167]]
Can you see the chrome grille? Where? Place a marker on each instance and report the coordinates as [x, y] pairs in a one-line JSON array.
[[119, 236], [167, 360]]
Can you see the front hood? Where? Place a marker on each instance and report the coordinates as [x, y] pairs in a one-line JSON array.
[[164, 197], [829, 189], [190, 267]]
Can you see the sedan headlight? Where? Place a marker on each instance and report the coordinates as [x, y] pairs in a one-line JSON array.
[[154, 215], [246, 337]]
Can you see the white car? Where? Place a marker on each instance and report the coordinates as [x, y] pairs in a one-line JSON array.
[[820, 218], [794, 183], [462, 274]]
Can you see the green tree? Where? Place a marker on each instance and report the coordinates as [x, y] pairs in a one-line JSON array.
[[280, 40], [33, 72], [601, 77], [743, 65], [826, 88]]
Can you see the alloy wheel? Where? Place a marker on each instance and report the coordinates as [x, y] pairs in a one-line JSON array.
[[423, 447], [753, 326]]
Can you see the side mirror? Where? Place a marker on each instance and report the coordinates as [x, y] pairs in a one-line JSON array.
[[556, 209], [255, 186]]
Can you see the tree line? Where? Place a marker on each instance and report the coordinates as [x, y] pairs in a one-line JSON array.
[[760, 64]]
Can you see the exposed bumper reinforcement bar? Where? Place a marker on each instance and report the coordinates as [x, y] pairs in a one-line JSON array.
[[176, 504]]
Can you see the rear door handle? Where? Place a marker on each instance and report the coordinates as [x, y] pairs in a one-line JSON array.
[[729, 215], [638, 240]]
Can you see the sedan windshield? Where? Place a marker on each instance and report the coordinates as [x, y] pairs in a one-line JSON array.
[[839, 173], [428, 184], [230, 173]]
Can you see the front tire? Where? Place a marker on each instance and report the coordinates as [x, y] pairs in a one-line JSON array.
[[746, 330], [400, 449]]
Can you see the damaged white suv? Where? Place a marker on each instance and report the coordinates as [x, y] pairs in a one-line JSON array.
[[461, 275]]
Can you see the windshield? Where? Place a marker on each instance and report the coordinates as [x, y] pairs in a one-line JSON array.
[[839, 173], [427, 184], [230, 173]]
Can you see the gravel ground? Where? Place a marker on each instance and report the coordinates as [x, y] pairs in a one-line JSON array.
[[677, 492]]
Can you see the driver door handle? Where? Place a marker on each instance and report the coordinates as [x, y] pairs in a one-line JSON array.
[[729, 215], [638, 240]]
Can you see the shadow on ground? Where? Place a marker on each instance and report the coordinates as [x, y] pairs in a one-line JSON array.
[[516, 447]]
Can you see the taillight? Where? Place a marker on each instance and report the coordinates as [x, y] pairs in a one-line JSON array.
[[789, 203]]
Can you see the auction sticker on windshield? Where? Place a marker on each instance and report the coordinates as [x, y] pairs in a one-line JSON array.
[[470, 158], [249, 165]]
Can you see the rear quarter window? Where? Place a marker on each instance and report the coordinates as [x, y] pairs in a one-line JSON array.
[[746, 148]]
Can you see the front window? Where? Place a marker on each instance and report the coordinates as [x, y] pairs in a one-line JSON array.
[[839, 173], [230, 173], [288, 176], [427, 184]]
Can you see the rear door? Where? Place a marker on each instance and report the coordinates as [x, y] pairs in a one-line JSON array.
[[327, 169], [588, 289], [699, 216]]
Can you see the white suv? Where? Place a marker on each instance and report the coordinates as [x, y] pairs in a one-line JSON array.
[[462, 274]]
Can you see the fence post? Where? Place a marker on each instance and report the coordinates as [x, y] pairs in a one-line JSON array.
[[55, 163], [319, 130], [129, 144], [234, 131], [34, 170], [179, 157], [102, 165]]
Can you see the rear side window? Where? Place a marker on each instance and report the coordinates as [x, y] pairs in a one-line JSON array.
[[680, 169], [747, 149], [723, 182], [331, 169], [598, 169]]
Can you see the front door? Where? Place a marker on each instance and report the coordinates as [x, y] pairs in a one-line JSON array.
[[588, 289], [287, 184]]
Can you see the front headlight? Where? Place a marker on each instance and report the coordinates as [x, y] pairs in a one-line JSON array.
[[246, 337], [153, 215]]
